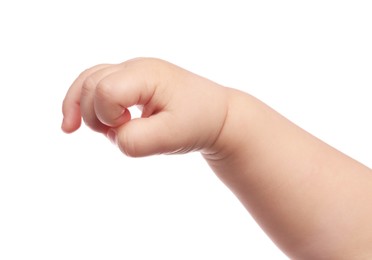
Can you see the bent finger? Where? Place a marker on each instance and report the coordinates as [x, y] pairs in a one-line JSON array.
[[129, 86], [88, 89], [71, 103]]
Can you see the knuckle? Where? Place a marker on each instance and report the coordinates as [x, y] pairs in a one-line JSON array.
[[103, 89], [144, 63], [88, 77], [88, 86], [92, 69], [136, 61]]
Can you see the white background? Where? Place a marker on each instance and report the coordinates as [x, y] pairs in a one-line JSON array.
[[76, 197]]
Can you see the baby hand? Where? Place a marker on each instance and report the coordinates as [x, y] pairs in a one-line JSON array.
[[181, 111]]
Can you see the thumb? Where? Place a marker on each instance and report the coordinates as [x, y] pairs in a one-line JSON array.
[[148, 136]]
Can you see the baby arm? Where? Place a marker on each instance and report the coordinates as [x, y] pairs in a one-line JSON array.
[[313, 201]]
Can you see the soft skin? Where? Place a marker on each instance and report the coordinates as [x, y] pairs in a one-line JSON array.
[[313, 201]]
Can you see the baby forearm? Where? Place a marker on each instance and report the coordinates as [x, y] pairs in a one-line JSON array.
[[293, 184]]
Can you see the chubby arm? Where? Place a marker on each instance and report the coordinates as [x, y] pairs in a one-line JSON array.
[[313, 201]]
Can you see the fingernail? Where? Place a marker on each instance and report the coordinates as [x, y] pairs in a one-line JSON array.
[[111, 135]]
